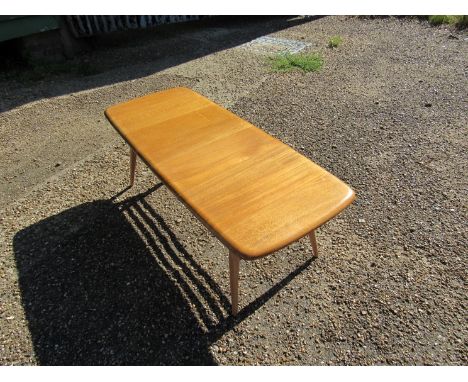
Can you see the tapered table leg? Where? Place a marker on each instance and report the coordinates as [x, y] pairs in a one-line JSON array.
[[313, 241], [132, 166], [234, 261]]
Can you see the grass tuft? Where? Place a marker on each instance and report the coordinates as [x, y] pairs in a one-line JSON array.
[[334, 42], [458, 21], [308, 62]]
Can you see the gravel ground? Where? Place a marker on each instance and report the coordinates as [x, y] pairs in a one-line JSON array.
[[94, 273]]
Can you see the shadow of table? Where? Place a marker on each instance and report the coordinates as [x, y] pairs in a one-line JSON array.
[[107, 283]]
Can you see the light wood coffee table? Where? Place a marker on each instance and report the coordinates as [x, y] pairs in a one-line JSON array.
[[255, 193]]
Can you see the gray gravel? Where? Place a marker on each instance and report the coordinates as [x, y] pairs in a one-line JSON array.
[[94, 273]]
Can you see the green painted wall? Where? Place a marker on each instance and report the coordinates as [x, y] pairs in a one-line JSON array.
[[19, 26]]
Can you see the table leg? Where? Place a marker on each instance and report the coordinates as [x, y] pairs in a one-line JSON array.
[[313, 241], [234, 261], [132, 166]]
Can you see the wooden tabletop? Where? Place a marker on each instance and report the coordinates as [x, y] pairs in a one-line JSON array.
[[253, 191]]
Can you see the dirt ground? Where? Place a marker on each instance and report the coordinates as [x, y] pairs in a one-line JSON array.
[[94, 273]]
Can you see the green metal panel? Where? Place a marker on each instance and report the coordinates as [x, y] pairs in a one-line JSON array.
[[19, 26]]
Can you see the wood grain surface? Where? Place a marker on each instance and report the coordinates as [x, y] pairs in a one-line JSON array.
[[253, 191]]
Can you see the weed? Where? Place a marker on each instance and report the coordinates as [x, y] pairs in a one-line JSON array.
[[458, 21], [308, 62], [334, 42]]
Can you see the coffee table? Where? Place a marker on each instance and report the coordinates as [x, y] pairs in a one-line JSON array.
[[255, 193]]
